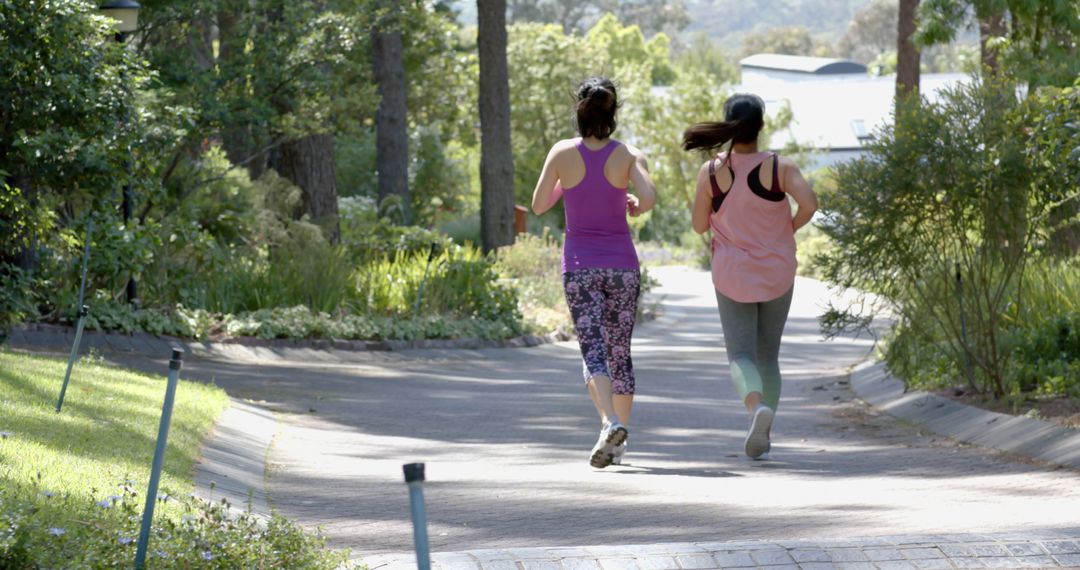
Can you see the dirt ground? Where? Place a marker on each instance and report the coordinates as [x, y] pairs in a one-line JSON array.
[[1062, 411]]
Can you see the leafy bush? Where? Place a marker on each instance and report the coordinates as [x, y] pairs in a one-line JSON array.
[[533, 266], [941, 221], [46, 530], [457, 280], [22, 224], [300, 323], [369, 236]]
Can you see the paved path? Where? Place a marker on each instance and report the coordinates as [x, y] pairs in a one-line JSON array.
[[505, 434]]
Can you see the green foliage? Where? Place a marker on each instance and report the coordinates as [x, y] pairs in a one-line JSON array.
[[541, 94], [367, 236], [71, 484], [457, 280], [624, 48], [22, 225], [946, 244], [533, 264], [301, 323], [1039, 45], [63, 99], [701, 54], [789, 40]]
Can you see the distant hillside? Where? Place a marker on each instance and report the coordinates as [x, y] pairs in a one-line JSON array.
[[726, 21]]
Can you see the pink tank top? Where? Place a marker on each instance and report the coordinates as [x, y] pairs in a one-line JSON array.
[[753, 243]]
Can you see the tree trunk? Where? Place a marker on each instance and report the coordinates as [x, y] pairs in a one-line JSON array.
[[233, 38], [391, 137], [308, 162], [991, 26], [496, 156], [907, 53]]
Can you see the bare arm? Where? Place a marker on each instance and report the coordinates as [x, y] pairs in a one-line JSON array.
[[642, 181], [702, 201], [547, 191], [798, 188]]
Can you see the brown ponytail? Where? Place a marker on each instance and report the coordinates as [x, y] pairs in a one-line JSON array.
[[744, 115]]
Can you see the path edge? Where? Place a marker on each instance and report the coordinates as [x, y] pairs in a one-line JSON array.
[[232, 461], [1029, 437]]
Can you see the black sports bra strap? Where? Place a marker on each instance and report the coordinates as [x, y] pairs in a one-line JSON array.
[[775, 186], [712, 178]]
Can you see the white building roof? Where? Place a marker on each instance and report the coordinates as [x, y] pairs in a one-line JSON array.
[[801, 64], [838, 115]]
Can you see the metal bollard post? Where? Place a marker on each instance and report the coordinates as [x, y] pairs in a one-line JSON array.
[[81, 316], [414, 476], [159, 457], [74, 354]]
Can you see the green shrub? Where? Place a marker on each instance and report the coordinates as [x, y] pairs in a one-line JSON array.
[[946, 244], [533, 266], [459, 281], [301, 323], [22, 225], [46, 530], [367, 236]]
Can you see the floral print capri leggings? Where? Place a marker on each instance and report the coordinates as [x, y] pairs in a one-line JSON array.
[[603, 304]]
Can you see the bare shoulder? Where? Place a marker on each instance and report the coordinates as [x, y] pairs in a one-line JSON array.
[[562, 147], [633, 151], [786, 163]]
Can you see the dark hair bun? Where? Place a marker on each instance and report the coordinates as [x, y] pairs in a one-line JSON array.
[[597, 102]]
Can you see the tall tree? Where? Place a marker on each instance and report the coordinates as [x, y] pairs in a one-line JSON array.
[[392, 137], [872, 32], [652, 16], [907, 52], [991, 27], [1042, 36], [496, 155]]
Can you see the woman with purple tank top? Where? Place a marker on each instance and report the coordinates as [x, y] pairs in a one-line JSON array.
[[742, 196], [601, 277]]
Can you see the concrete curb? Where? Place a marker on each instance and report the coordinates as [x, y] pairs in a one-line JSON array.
[[233, 462], [1015, 434], [1037, 549], [61, 336]]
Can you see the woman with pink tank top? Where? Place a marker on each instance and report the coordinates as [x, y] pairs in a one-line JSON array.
[[742, 196], [600, 266]]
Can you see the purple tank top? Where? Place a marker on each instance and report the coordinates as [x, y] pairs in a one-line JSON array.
[[597, 234]]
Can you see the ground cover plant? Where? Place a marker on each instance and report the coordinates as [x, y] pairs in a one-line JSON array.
[[72, 484]]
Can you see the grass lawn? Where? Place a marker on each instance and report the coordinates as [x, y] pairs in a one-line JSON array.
[[72, 484]]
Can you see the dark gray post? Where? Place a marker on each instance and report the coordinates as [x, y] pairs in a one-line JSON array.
[[80, 316], [159, 457], [414, 477], [968, 370], [423, 280]]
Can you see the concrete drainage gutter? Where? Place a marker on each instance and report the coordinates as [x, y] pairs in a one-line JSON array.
[[1025, 436]]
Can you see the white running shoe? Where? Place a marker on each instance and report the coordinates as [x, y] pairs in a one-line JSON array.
[[757, 438], [620, 451], [611, 436]]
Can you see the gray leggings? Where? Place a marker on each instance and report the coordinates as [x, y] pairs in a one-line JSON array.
[[752, 334]]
